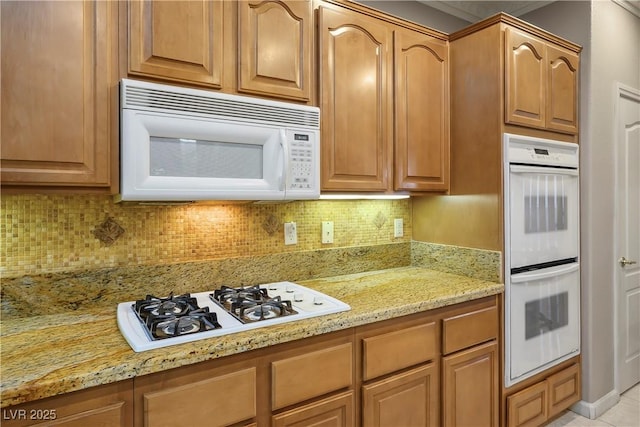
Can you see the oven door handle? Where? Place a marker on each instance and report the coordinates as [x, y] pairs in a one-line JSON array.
[[542, 170], [545, 273]]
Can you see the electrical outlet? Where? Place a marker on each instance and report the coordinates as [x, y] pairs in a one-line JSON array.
[[398, 227], [327, 231], [290, 233]]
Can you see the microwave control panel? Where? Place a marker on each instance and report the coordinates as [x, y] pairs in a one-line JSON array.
[[302, 161]]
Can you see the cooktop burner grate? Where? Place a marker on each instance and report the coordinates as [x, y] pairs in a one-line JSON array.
[[156, 322]]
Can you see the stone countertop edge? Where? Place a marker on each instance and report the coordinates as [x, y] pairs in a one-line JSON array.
[[56, 354]]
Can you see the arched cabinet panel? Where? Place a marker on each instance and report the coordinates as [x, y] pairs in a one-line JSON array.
[[355, 77], [275, 48], [421, 112]]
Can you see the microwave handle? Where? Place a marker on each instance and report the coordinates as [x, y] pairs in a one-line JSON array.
[[283, 179], [542, 169], [538, 275]]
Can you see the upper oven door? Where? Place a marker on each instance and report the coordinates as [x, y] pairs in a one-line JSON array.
[[544, 215]]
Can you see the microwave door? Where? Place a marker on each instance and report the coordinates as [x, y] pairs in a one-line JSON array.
[[185, 158]]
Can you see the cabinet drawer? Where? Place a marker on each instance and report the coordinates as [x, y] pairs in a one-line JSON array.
[[564, 389], [221, 400], [469, 329], [396, 350], [528, 407], [104, 405], [299, 378]]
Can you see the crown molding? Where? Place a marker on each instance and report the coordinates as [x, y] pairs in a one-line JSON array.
[[632, 6], [474, 11]]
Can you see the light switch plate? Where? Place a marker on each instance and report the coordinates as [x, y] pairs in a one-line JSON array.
[[290, 233], [327, 232], [398, 227]]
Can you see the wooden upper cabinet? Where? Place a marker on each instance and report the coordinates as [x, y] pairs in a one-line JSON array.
[[526, 79], [421, 112], [541, 83], [562, 89], [177, 40], [355, 83], [56, 86], [275, 47]]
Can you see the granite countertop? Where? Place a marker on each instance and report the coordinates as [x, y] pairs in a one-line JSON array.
[[58, 353]]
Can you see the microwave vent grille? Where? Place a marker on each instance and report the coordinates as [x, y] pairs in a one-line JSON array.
[[219, 105]]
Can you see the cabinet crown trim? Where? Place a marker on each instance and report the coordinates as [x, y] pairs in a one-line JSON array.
[[505, 18]]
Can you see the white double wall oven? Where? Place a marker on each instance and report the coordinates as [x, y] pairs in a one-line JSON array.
[[542, 271]]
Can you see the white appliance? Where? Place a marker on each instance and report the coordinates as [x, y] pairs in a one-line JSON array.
[[305, 303], [542, 278], [181, 144]]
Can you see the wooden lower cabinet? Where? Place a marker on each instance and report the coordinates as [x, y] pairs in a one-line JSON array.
[[537, 403], [390, 373], [335, 411], [311, 374], [392, 351], [211, 393], [406, 399], [564, 389], [109, 405], [528, 407], [470, 387]]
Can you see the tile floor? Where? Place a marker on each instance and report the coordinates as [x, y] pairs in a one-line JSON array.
[[626, 413]]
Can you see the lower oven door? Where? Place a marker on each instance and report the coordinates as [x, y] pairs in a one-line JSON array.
[[542, 320]]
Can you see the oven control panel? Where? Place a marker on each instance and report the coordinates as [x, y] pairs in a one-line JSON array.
[[538, 151]]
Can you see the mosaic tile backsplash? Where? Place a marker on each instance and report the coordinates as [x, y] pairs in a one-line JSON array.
[[44, 234]]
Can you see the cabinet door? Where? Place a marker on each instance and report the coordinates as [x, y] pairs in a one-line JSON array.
[[275, 45], [470, 387], [406, 399], [56, 72], [355, 81], [562, 90], [336, 411], [177, 40], [564, 389], [525, 79], [528, 408], [422, 112]]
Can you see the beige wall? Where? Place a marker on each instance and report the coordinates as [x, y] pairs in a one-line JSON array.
[[609, 35]]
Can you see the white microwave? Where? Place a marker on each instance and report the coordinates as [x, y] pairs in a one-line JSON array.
[[181, 144]]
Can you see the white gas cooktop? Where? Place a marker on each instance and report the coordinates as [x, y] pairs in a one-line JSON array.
[[306, 302]]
